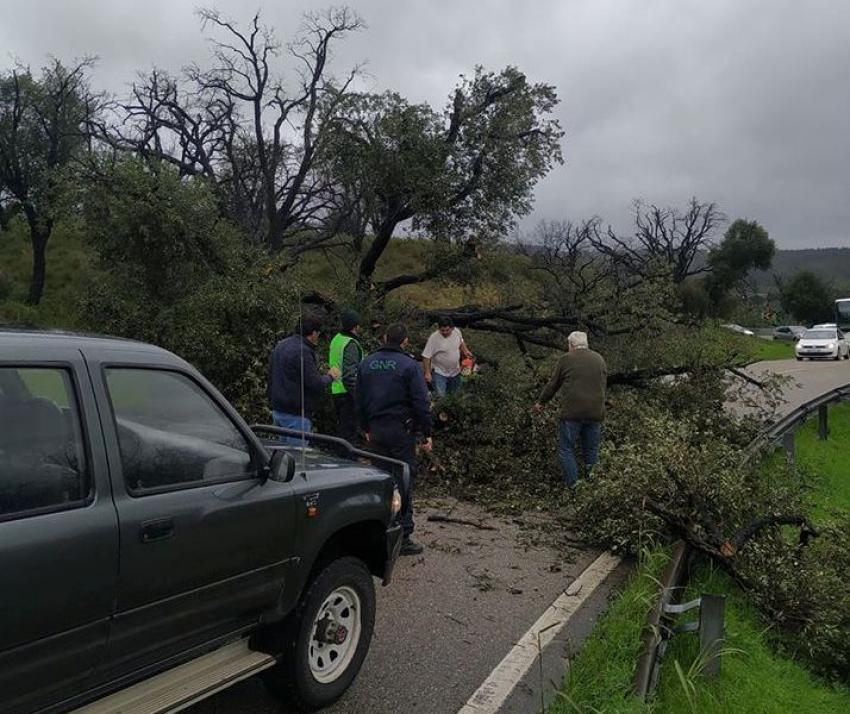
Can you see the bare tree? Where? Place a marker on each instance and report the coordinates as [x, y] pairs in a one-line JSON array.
[[665, 238], [237, 124]]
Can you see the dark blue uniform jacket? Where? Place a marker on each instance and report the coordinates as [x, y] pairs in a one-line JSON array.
[[391, 389]]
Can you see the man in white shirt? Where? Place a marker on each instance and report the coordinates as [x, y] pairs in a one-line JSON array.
[[442, 355]]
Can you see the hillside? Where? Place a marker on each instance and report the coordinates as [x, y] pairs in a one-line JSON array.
[[832, 264]]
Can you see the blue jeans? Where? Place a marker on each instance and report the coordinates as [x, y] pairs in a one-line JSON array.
[[589, 434], [292, 421], [446, 385]]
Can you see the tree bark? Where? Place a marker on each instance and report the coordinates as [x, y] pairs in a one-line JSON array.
[[370, 260], [39, 236]]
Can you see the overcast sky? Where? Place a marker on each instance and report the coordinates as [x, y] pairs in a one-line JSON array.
[[742, 102]]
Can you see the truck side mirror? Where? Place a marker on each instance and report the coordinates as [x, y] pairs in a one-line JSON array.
[[281, 466]]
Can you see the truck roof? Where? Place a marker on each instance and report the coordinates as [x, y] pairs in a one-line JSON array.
[[80, 340]]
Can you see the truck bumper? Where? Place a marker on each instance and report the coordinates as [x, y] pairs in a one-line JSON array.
[[393, 541]]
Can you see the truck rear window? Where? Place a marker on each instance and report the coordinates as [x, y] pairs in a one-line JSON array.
[[42, 454]]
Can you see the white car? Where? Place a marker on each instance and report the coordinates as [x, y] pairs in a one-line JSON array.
[[826, 326], [827, 342], [739, 329]]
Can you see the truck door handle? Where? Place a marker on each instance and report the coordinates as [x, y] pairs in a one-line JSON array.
[[160, 529]]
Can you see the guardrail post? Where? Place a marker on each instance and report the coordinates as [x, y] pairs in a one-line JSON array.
[[711, 632], [789, 444], [823, 422]]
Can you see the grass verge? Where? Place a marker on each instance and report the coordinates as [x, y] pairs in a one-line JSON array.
[[770, 350], [827, 461], [753, 679]]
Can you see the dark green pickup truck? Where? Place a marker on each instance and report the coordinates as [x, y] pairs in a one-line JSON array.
[[155, 549]]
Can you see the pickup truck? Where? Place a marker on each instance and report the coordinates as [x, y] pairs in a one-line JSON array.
[[155, 549]]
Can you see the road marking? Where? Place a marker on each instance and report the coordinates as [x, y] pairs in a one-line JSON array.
[[496, 689]]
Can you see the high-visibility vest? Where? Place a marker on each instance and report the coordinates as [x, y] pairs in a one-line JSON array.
[[338, 345]]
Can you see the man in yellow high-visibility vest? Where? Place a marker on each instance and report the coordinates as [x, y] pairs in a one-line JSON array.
[[345, 355]]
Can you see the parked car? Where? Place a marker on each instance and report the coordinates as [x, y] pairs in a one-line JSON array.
[[788, 332], [150, 541], [739, 329], [820, 343]]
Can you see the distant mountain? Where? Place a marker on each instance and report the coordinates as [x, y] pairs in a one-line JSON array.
[[833, 264]]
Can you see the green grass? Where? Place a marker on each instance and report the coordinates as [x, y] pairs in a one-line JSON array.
[[827, 461], [69, 266], [600, 678], [753, 679], [767, 350]]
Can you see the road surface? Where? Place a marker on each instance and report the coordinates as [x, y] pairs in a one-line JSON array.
[[809, 378], [448, 618]]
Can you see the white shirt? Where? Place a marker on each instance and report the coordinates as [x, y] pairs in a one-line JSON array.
[[444, 352]]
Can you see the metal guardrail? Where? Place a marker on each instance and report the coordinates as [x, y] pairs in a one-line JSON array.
[[790, 421], [398, 469], [654, 635], [658, 628]]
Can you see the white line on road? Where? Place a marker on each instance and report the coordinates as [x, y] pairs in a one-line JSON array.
[[496, 689]]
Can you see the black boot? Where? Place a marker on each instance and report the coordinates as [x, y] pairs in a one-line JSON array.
[[410, 547]]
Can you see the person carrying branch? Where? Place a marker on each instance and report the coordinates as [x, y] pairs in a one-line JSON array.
[[580, 379]]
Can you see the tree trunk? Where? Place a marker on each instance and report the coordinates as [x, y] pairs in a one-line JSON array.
[[370, 261], [39, 235], [275, 232]]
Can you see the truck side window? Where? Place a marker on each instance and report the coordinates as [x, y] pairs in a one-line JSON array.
[[171, 433], [42, 452]]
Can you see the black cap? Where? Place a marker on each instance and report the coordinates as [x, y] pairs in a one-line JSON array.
[[350, 319]]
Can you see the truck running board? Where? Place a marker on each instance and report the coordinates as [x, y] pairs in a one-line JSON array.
[[178, 688]]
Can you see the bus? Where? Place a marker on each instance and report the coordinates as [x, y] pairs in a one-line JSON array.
[[842, 313]]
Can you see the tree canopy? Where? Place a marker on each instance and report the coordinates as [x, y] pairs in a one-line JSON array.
[[44, 125], [807, 297], [469, 171]]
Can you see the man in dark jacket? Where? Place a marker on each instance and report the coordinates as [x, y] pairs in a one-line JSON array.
[[392, 400], [581, 378], [295, 383], [345, 354]]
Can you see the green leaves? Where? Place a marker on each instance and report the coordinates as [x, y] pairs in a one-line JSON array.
[[807, 297]]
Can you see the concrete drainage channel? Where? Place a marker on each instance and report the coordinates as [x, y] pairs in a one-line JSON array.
[[527, 679]]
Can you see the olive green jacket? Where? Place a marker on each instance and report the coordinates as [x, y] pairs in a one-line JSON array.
[[579, 380]]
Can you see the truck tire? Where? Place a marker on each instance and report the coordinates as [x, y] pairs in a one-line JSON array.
[[327, 637]]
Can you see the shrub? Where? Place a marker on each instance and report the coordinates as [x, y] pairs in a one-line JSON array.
[[6, 287]]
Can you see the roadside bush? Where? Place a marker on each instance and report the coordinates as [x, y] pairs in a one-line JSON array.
[[677, 473], [6, 287], [173, 273], [226, 328]]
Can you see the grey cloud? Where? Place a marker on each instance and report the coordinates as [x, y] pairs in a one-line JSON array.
[[746, 104]]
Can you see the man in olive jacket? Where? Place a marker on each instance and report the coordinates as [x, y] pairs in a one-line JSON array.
[[580, 378]]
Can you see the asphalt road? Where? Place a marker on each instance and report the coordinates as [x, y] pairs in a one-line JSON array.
[[448, 618], [809, 378]]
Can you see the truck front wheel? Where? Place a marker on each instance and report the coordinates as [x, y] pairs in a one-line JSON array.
[[327, 637]]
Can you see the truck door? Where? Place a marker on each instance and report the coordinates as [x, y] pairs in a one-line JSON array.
[[58, 528], [206, 543]]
